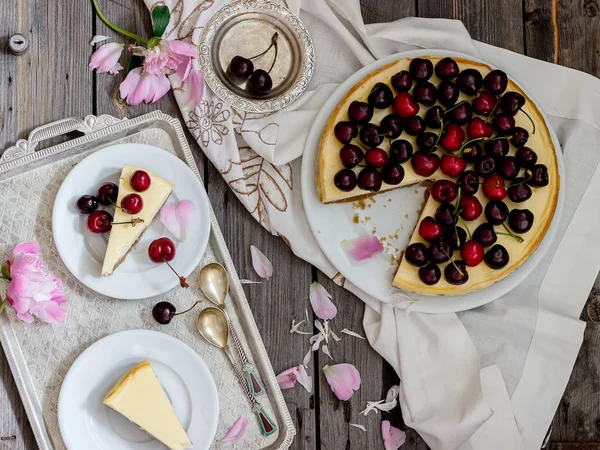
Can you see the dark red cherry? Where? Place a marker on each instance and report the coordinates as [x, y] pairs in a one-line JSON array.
[[504, 123], [351, 155], [511, 102], [99, 222], [497, 147], [87, 204], [468, 182], [345, 180], [414, 126], [520, 136], [478, 128], [434, 117], [400, 151], [493, 187], [392, 173], [426, 141], [416, 254], [520, 220], [163, 312], [369, 179], [443, 191], [421, 69], [456, 273], [447, 93], [371, 135], [496, 257], [429, 229], [539, 176], [360, 113], [446, 69], [526, 157], [495, 82], [485, 234], [439, 251], [404, 105], [161, 250], [452, 165], [507, 167], [260, 82], [496, 212], [425, 93], [402, 81], [430, 274], [107, 194], [485, 103], [469, 207], [381, 96], [455, 236], [425, 164], [240, 68], [472, 253], [345, 131], [140, 181], [469, 81], [392, 125], [461, 114], [452, 138], [519, 191], [471, 152], [444, 214], [485, 166], [132, 203], [376, 157]]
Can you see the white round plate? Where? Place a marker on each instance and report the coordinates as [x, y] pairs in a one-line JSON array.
[[333, 223], [83, 252], [86, 423]]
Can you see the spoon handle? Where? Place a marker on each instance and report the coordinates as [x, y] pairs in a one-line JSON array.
[[266, 424], [254, 382]]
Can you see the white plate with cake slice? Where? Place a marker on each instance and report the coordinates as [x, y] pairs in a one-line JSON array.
[[133, 381], [116, 263], [352, 206]]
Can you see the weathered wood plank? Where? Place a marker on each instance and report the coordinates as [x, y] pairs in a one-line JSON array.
[[575, 446]]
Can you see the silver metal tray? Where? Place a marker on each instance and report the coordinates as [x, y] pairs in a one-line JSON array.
[[39, 355]]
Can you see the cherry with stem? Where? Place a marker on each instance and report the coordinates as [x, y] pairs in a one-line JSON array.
[[519, 239], [182, 281]]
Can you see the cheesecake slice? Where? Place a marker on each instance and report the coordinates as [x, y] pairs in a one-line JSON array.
[[139, 396], [124, 237]]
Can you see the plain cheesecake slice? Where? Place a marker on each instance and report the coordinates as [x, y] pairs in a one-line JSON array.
[[124, 237], [139, 396]]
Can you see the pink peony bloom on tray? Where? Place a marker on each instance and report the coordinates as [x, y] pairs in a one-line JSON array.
[[363, 247], [234, 434], [343, 379], [32, 290], [106, 58], [393, 437]]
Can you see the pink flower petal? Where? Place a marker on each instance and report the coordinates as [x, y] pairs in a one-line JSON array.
[[183, 48], [393, 438], [31, 248], [106, 58], [262, 265], [343, 379], [287, 379], [178, 219], [141, 87], [363, 247], [234, 434], [321, 302], [130, 84], [191, 91]]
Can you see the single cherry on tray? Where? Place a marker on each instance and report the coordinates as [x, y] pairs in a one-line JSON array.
[[429, 229], [87, 204], [140, 181], [99, 222], [163, 312], [260, 82], [107, 194], [443, 191], [132, 203]]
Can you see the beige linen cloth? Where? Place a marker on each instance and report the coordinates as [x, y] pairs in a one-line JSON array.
[[527, 341]]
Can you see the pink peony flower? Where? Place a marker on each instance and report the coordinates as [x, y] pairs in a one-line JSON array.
[[141, 87], [106, 58], [343, 379], [393, 437], [32, 290]]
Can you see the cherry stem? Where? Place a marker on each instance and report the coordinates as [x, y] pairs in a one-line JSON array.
[[358, 144], [519, 239], [493, 111], [442, 125], [274, 56], [485, 139], [466, 227], [189, 309], [182, 281], [525, 180], [456, 106], [132, 222], [273, 41], [452, 261], [531, 120], [457, 201]]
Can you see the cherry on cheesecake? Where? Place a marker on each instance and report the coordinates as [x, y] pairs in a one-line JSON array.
[[416, 254], [434, 117], [345, 131], [400, 151], [360, 113], [376, 157], [430, 274], [526, 157], [493, 187], [425, 164], [426, 142], [519, 137], [381, 96], [455, 236], [402, 81], [414, 126], [472, 253], [496, 257], [452, 138], [404, 105], [392, 173], [471, 152], [430, 230], [469, 207], [443, 191], [520, 220], [444, 214], [511, 102], [421, 69], [446, 69], [504, 123], [485, 103], [345, 180], [468, 182], [447, 93], [539, 176], [99, 222], [371, 135], [508, 167], [140, 181], [392, 125], [485, 234], [439, 251], [460, 114], [478, 128], [369, 179], [452, 165], [497, 147], [496, 212], [495, 82], [107, 194], [425, 92], [132, 203], [87, 204], [456, 273], [351, 155], [485, 166], [519, 191], [469, 81]]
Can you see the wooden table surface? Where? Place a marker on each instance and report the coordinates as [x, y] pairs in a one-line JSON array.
[[51, 82]]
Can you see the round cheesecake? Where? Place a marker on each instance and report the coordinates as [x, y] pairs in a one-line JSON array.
[[519, 226]]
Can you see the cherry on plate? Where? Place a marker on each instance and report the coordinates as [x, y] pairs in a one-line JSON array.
[[107, 194], [161, 250], [87, 204], [99, 222]]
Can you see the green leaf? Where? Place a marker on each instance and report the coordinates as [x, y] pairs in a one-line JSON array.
[[160, 19], [134, 61], [4, 272], [4, 304]]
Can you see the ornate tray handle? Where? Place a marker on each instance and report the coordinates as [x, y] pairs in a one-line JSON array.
[[25, 147]]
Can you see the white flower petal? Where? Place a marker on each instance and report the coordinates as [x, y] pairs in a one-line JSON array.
[[371, 406], [97, 39], [356, 425], [326, 351], [244, 281], [317, 343], [392, 394], [352, 333], [262, 265], [307, 357], [304, 379], [335, 337]]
